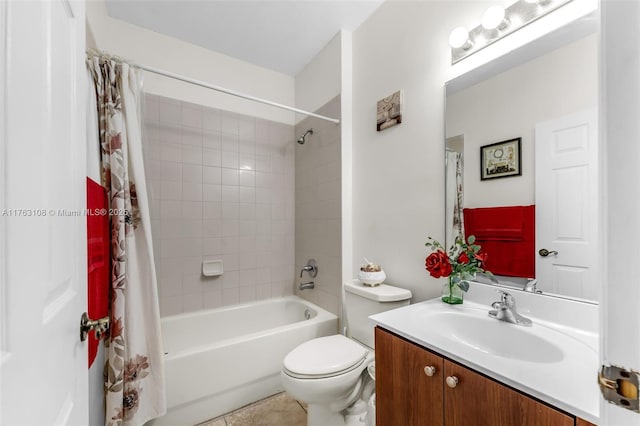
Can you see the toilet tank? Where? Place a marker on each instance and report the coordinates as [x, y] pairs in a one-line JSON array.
[[361, 301]]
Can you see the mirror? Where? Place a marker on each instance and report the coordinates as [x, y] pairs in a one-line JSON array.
[[517, 132]]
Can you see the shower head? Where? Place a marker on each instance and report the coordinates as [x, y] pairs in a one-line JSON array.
[[301, 139]]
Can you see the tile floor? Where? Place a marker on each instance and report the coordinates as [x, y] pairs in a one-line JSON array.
[[276, 410]]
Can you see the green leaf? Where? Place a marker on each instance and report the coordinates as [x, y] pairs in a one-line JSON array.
[[471, 239], [464, 285]]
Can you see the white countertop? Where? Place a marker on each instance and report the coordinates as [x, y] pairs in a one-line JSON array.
[[567, 381]]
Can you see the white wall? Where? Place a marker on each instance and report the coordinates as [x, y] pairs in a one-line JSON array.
[[510, 105], [153, 49], [398, 174], [320, 80]]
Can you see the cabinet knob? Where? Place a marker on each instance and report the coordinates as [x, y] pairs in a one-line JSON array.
[[430, 370], [452, 381]]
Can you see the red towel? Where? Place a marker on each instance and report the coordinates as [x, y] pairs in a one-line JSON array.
[[507, 235], [98, 259]]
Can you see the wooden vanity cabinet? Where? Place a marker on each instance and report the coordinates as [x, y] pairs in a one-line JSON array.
[[409, 394], [405, 394]]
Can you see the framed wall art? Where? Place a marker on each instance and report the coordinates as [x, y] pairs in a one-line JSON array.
[[389, 111], [501, 159]]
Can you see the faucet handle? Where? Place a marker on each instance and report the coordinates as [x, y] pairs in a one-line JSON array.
[[507, 299]]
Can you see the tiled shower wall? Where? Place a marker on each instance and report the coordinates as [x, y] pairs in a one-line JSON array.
[[318, 207], [221, 186]]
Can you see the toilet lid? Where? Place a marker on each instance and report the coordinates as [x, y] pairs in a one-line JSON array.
[[324, 357]]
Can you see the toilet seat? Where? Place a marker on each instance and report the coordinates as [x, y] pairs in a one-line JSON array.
[[325, 357]]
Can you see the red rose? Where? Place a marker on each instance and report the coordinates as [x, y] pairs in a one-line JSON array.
[[463, 258], [438, 265], [482, 257]]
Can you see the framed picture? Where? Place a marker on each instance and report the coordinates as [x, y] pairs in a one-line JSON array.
[[500, 159], [389, 111]]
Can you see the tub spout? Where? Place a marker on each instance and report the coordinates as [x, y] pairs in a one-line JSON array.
[[306, 286]]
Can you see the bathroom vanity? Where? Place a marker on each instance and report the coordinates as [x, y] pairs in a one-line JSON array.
[[438, 364]]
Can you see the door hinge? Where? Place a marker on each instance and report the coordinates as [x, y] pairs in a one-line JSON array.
[[620, 387]]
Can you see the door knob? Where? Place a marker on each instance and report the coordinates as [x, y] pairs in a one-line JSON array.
[[452, 381], [99, 326], [430, 370], [544, 252]]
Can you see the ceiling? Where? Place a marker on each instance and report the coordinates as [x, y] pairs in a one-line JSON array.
[[280, 35]]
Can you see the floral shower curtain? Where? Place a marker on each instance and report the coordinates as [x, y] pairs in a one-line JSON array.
[[453, 197], [134, 373]]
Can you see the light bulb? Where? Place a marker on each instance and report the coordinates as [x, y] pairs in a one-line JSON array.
[[494, 18], [459, 38]]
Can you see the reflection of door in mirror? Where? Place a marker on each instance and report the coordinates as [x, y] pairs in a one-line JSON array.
[[454, 189], [509, 104]]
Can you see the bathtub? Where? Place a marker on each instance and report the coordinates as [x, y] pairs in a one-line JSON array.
[[221, 359]]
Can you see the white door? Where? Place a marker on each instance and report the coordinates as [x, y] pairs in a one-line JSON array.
[[43, 364], [567, 205]]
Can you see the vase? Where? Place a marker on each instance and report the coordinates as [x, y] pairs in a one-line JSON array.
[[451, 291]]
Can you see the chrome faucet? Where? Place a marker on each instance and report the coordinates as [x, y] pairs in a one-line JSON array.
[[311, 267], [505, 310], [531, 286], [306, 286]]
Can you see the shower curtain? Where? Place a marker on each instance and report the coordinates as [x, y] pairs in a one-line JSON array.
[[134, 373], [453, 197]]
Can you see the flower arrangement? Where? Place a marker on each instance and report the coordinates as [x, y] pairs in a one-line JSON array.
[[460, 263]]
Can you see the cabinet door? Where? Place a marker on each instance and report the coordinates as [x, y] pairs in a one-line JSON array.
[[405, 394], [477, 400]]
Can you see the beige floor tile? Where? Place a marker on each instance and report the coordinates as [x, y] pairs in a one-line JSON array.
[[218, 421], [279, 410]]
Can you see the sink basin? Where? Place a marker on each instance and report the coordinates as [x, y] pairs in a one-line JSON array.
[[498, 337]]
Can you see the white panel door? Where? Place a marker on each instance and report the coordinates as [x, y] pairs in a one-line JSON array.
[[43, 364], [567, 205]]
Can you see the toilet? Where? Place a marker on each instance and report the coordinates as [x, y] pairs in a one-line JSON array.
[[329, 373]]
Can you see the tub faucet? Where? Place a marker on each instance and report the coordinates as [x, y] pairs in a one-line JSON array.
[[532, 286], [306, 286], [505, 310]]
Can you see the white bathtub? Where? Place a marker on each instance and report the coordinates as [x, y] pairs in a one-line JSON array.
[[221, 359]]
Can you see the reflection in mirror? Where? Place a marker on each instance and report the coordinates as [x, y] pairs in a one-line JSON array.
[[549, 101]]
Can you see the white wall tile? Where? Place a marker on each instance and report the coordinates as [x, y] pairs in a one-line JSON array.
[[211, 192], [230, 296], [212, 246], [247, 178], [192, 173], [211, 157], [171, 306], [230, 279], [247, 294], [171, 152], [211, 119], [192, 155], [169, 112], [192, 116], [230, 159], [230, 177], [212, 175], [230, 194], [212, 298], [247, 194], [212, 210], [193, 302], [191, 191], [216, 180]]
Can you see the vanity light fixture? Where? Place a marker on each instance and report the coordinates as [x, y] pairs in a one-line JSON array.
[[459, 39], [494, 18], [498, 22]]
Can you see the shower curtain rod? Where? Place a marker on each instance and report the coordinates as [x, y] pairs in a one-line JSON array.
[[231, 92]]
